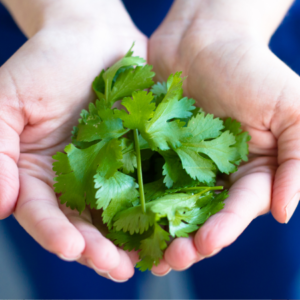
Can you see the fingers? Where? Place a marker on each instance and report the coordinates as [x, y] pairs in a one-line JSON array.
[[38, 213], [182, 253], [286, 192], [162, 269], [66, 233], [249, 197], [9, 177], [99, 252]]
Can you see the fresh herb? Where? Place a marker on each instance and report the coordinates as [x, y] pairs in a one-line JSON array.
[[151, 168]]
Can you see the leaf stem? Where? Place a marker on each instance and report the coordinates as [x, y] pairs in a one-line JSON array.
[[107, 91], [139, 169], [208, 188]]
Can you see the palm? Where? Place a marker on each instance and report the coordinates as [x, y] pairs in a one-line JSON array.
[[230, 74], [44, 86]]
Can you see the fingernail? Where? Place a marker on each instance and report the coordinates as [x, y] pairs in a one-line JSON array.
[[291, 207], [115, 280], [98, 271], [68, 258], [161, 275], [213, 253]]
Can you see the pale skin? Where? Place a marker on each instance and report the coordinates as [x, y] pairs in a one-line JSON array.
[[222, 46]]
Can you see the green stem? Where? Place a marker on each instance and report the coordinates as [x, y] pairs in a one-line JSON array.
[[106, 91], [139, 169], [210, 188]]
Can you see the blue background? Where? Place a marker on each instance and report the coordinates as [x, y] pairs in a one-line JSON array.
[[263, 263]]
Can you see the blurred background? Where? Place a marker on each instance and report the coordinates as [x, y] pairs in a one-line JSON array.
[[264, 262]]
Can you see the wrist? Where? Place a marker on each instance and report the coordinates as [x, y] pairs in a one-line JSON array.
[[259, 18], [34, 15]]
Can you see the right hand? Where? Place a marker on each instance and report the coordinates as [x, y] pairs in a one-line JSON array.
[[222, 48]]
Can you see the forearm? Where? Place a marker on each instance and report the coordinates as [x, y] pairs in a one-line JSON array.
[[32, 15]]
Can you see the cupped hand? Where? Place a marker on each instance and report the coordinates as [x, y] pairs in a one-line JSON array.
[[43, 88], [232, 73]]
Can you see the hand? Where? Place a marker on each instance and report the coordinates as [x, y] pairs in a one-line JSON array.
[[43, 88], [232, 73]]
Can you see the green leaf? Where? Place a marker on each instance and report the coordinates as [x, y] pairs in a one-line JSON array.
[[61, 165], [130, 81], [220, 150], [242, 138], [128, 241], [159, 132], [92, 127], [99, 85], [152, 248], [154, 190], [134, 220], [172, 169], [204, 127], [233, 126], [242, 146], [80, 144], [140, 110], [159, 89], [111, 159], [197, 166], [75, 171], [168, 205], [114, 194], [213, 206], [110, 73], [174, 86], [182, 230], [189, 220], [129, 157]]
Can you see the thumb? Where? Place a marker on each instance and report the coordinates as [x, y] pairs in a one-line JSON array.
[[286, 127]]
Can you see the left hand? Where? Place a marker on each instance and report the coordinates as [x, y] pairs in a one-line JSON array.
[[43, 88]]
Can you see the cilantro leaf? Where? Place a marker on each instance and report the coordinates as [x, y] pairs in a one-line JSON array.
[[174, 86], [110, 73], [175, 175], [154, 190], [99, 123], [241, 137], [220, 150], [133, 220], [99, 85], [197, 166], [159, 89], [75, 171], [188, 220], [129, 157], [131, 80], [172, 169], [140, 110], [114, 194], [204, 127], [182, 230], [159, 132], [128, 241], [152, 248], [168, 205]]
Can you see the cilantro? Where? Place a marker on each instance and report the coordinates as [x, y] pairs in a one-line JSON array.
[[150, 168]]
